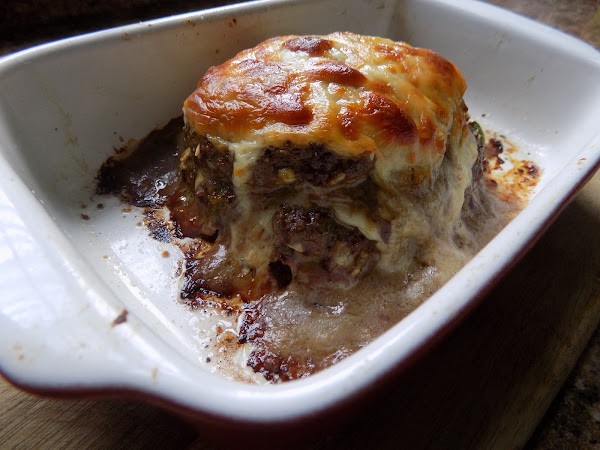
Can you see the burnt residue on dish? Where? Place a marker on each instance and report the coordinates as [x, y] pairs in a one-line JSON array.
[[148, 176], [293, 330], [121, 318]]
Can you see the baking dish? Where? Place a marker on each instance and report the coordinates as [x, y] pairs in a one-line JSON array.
[[71, 270]]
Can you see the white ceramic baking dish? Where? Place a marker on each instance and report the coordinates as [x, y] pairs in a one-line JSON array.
[[66, 281]]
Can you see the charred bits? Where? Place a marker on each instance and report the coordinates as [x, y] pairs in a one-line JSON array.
[[121, 318]]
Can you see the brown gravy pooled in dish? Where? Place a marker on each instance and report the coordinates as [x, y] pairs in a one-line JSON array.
[[321, 188]]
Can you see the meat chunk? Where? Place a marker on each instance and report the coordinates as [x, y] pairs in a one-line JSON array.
[[300, 241], [313, 164], [319, 250]]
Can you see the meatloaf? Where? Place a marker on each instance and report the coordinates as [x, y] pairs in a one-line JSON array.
[[317, 159]]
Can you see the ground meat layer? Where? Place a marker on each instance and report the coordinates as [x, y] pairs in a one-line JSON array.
[[286, 203]]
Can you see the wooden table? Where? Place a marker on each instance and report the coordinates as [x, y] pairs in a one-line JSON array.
[[488, 386]]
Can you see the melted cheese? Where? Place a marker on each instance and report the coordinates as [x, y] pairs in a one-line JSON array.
[[354, 94]]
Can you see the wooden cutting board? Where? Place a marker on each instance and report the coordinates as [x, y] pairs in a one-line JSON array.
[[487, 386]]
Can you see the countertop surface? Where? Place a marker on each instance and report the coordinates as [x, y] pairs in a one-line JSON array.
[[536, 384]]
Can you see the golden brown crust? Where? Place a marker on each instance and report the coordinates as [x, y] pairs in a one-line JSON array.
[[354, 94]]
